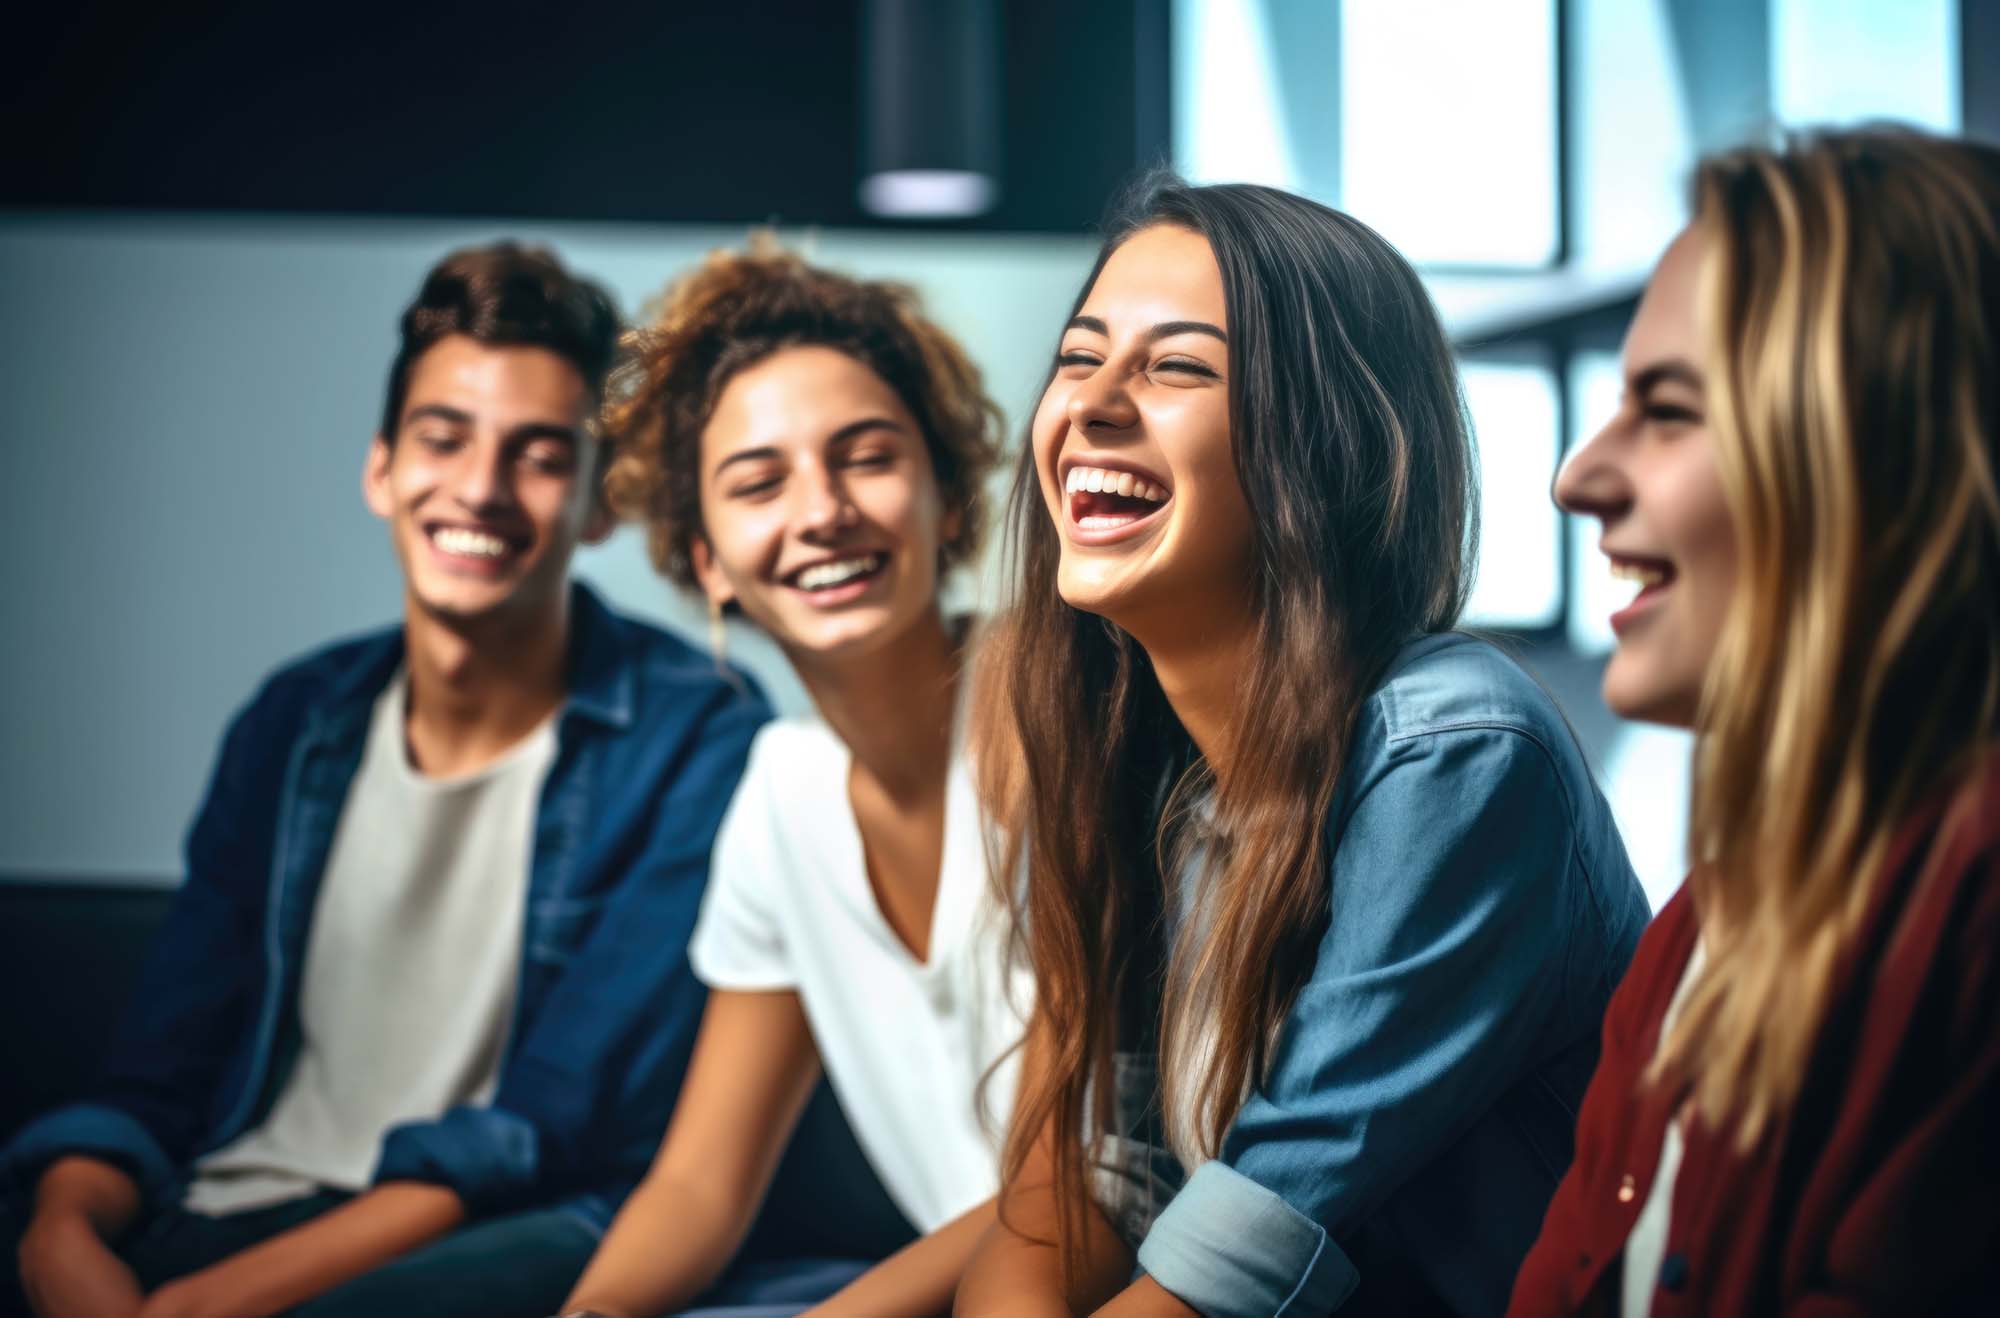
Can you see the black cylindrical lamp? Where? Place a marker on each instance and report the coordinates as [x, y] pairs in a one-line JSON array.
[[930, 134]]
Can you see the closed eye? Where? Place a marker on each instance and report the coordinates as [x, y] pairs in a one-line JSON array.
[[1671, 414], [1189, 366], [552, 459]]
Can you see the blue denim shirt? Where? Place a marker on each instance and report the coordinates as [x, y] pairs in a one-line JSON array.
[[649, 747], [1421, 1102]]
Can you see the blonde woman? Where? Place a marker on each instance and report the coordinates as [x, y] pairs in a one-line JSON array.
[[1795, 1110]]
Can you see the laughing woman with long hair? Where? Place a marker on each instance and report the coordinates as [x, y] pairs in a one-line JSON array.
[[1798, 1108], [1322, 904]]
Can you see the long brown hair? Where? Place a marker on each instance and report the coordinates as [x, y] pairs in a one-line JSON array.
[[1851, 300], [1352, 449]]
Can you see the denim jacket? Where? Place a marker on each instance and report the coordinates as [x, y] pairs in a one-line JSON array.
[[1420, 1104], [649, 747]]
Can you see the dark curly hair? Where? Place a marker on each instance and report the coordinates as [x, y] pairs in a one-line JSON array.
[[735, 310], [505, 295]]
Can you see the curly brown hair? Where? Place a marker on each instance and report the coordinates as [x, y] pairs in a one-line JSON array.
[[737, 309]]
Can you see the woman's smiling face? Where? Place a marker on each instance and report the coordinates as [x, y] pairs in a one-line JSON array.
[[821, 514], [1132, 442], [1649, 477]]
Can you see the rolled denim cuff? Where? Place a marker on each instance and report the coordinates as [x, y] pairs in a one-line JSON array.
[[490, 1157], [1231, 1248], [97, 1130]]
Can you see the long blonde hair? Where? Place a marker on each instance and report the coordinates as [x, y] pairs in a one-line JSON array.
[[1851, 300]]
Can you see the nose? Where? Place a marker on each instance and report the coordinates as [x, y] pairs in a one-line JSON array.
[[1101, 405], [825, 511], [481, 481], [1592, 481]]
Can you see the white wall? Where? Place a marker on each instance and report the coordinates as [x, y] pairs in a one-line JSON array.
[[186, 402]]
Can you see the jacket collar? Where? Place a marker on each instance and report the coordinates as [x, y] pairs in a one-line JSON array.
[[602, 685]]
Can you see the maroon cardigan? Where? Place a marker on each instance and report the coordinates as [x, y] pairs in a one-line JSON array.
[[1880, 1194]]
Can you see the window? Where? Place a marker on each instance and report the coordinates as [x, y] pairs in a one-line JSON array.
[[1448, 128], [1516, 418]]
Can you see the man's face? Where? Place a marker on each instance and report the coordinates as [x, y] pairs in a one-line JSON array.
[[490, 481]]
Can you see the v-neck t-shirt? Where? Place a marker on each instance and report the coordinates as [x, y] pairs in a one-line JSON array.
[[906, 1044]]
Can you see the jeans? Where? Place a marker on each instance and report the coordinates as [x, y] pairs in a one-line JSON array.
[[521, 1264]]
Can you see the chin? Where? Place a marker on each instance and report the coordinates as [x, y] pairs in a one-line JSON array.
[[835, 638], [1643, 697]]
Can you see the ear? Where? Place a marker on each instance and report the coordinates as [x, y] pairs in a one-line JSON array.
[[708, 572], [601, 522], [951, 525], [375, 478]]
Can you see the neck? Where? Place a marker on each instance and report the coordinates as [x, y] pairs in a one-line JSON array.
[[893, 707], [1201, 670], [477, 688]]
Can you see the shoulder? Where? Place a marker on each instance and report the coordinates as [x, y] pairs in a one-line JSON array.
[[784, 803], [352, 668], [1458, 736], [797, 759], [1453, 681], [670, 683], [1948, 929]]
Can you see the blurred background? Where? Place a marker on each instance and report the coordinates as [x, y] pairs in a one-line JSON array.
[[212, 212]]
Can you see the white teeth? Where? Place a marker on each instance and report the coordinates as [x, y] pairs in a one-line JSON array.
[[822, 575], [1639, 572], [1101, 480], [473, 544]]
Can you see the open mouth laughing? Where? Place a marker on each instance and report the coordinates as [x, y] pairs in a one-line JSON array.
[[1653, 576], [1108, 503]]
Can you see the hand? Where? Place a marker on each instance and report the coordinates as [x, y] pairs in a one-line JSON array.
[[201, 1294], [66, 1268]]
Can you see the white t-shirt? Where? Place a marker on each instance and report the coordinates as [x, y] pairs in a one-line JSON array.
[[411, 969], [1646, 1247], [905, 1043]]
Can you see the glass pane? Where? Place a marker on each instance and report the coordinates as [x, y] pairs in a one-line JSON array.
[[1594, 594], [1448, 127], [1515, 416], [1839, 61]]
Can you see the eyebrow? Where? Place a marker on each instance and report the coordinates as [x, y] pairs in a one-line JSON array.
[[1166, 329], [1675, 370], [519, 434], [847, 432]]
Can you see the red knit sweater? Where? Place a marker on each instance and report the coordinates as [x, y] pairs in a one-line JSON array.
[[1880, 1194]]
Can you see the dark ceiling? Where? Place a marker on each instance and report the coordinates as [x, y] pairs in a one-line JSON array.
[[597, 109]]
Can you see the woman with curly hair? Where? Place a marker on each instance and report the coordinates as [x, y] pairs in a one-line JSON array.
[[1795, 1111], [809, 449]]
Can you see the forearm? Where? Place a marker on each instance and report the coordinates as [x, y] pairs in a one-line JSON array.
[[667, 1245], [1146, 1298], [1016, 1275], [90, 1188], [919, 1279], [307, 1261]]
